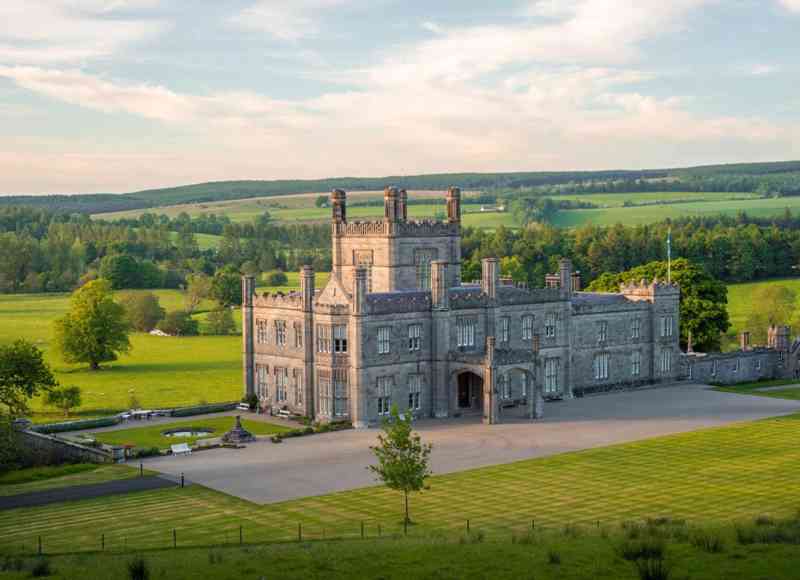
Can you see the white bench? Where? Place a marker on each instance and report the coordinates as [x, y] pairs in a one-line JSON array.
[[243, 407], [181, 449], [284, 413]]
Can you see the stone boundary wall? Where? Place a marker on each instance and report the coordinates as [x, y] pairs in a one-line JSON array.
[[734, 367], [49, 449]]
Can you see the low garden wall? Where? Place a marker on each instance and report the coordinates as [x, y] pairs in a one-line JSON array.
[[46, 449]]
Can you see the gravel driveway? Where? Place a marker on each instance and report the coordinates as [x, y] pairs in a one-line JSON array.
[[265, 472]]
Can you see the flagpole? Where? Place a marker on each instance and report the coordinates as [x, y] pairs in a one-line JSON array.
[[669, 256]]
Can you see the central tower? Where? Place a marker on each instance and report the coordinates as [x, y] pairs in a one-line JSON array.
[[396, 252]]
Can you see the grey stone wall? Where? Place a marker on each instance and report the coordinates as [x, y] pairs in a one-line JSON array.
[[734, 367], [53, 450]]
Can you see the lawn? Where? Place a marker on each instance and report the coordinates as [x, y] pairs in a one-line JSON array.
[[53, 477], [708, 476], [757, 388], [153, 436], [549, 555]]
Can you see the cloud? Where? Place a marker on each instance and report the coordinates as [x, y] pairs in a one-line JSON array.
[[48, 31], [285, 20], [792, 5]]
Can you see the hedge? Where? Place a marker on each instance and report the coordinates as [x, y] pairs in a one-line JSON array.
[[202, 409], [76, 425]]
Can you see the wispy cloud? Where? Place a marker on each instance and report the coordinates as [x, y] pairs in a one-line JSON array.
[[285, 19]]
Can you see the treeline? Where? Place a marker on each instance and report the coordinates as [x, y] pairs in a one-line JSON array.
[[731, 249]]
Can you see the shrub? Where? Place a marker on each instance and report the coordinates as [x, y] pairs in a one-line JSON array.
[[179, 323], [709, 541], [41, 568], [76, 425], [138, 569], [646, 549], [202, 409], [652, 569], [275, 278], [553, 557], [251, 400], [140, 452]]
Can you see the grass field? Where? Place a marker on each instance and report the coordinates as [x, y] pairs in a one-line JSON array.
[[540, 555], [708, 476], [758, 388], [153, 436], [53, 477]]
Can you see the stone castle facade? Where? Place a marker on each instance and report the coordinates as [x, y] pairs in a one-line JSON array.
[[395, 325]]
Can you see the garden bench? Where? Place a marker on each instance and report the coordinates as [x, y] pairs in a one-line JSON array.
[[181, 449], [284, 413], [243, 407]]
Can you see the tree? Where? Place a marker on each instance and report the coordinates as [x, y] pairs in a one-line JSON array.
[[198, 288], [276, 278], [220, 321], [64, 398], [142, 310], [179, 323], [321, 201], [226, 287], [771, 304], [403, 459], [121, 270], [703, 302], [95, 329], [23, 374]]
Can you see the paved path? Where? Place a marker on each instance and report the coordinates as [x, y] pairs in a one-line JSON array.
[[76, 492], [266, 472]]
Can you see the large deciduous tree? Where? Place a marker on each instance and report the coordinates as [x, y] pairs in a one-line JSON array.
[[403, 459], [23, 374], [142, 310], [95, 328], [703, 301], [226, 287]]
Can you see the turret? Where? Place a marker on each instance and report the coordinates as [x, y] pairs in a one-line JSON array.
[[489, 277], [307, 287], [439, 298], [454, 205], [392, 211], [339, 205]]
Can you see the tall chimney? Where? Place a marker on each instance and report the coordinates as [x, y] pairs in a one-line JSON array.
[[454, 205], [439, 298], [307, 283], [489, 277], [391, 204], [565, 274], [339, 205]]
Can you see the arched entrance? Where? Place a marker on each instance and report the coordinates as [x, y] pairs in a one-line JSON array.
[[468, 392], [518, 394]]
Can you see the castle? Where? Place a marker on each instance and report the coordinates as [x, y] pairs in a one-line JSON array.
[[395, 325]]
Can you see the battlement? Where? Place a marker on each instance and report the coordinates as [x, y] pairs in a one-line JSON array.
[[643, 291], [292, 300], [382, 228], [398, 302]]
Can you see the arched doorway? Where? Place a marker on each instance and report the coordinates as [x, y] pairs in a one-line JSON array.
[[518, 394], [468, 392]]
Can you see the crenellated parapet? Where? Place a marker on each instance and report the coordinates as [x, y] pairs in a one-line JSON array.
[[292, 300], [416, 229], [650, 292], [512, 295]]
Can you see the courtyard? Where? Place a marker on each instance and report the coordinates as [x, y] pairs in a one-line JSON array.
[[265, 472]]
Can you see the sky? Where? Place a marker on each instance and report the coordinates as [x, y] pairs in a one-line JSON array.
[[123, 95]]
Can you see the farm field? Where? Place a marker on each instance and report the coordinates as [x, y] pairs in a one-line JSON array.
[[152, 436], [708, 477], [740, 303]]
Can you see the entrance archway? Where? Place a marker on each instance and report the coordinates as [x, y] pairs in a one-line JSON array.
[[468, 392], [519, 397]]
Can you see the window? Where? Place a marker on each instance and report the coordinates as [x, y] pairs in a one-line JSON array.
[[504, 387], [384, 344], [363, 258], [550, 325], [340, 338], [280, 332], [736, 366], [504, 329], [602, 331], [636, 328], [465, 332], [298, 335], [261, 331], [414, 337], [665, 363], [713, 368], [385, 385], [600, 365], [324, 386], [262, 386], [340, 406], [636, 363], [527, 327], [298, 386], [666, 326], [414, 392], [422, 262], [281, 382], [323, 338], [551, 375]]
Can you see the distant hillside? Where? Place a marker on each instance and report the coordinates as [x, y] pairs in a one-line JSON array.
[[228, 190]]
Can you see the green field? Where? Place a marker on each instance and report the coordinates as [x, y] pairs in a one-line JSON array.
[[709, 476], [153, 436]]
